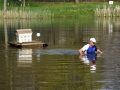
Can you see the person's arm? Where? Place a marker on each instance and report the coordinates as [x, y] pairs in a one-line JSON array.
[[81, 52], [98, 51], [84, 48]]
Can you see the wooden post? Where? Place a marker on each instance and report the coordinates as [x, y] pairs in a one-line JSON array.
[[5, 1], [23, 3]]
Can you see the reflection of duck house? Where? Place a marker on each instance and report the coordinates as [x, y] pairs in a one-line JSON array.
[[24, 38], [25, 58]]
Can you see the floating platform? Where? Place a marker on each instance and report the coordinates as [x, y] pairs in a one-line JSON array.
[[28, 44]]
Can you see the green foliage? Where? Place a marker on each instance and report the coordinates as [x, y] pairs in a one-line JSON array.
[[25, 13], [51, 10], [107, 10]]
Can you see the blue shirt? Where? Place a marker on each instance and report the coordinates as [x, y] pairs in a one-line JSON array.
[[87, 49], [90, 51]]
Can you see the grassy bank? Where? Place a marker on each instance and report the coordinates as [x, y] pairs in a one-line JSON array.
[[53, 10], [107, 11]]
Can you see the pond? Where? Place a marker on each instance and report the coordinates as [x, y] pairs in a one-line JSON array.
[[58, 66]]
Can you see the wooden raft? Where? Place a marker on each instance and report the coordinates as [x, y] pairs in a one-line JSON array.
[[28, 44]]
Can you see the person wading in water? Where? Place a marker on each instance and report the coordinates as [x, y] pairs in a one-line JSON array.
[[90, 51]]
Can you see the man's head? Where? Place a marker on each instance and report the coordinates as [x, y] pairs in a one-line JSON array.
[[92, 41]]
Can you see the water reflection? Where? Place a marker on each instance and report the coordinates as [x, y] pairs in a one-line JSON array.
[[57, 52], [24, 58], [58, 66], [90, 60], [110, 28], [25, 55], [5, 31]]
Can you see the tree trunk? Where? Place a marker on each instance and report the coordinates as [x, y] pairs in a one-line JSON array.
[[5, 1], [77, 1], [23, 3]]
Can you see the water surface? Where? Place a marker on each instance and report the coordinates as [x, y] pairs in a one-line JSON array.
[[58, 66]]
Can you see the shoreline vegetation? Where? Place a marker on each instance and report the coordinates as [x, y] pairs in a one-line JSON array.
[[107, 11], [61, 10]]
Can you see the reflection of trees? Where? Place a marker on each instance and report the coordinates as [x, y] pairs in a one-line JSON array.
[[5, 31], [45, 27], [103, 23], [64, 32], [110, 40], [55, 71]]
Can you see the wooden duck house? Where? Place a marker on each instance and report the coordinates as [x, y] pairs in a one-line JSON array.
[[24, 35], [24, 39]]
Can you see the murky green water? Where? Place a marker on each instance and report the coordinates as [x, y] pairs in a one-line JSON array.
[[58, 66]]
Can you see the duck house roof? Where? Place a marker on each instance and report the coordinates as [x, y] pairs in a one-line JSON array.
[[23, 31]]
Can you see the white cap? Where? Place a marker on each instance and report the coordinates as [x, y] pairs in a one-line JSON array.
[[93, 40]]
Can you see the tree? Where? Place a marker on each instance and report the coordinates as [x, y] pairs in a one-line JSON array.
[[77, 1], [5, 1], [23, 3]]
